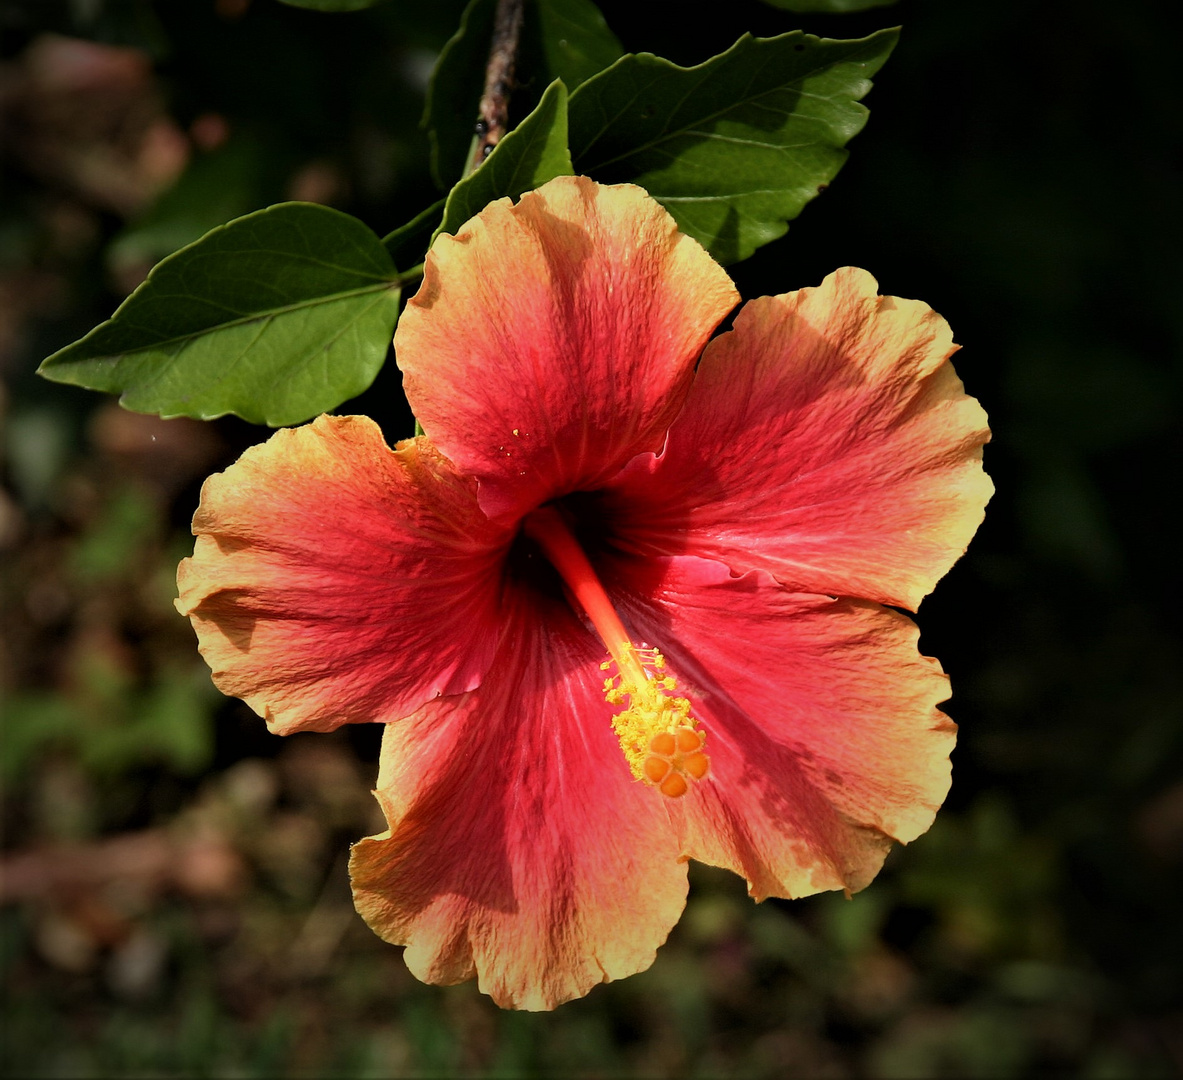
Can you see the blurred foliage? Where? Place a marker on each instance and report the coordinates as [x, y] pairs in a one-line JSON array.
[[174, 893]]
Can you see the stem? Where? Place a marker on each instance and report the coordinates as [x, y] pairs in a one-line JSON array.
[[494, 107], [413, 274]]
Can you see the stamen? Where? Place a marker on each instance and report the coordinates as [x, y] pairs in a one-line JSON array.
[[659, 737], [661, 740]]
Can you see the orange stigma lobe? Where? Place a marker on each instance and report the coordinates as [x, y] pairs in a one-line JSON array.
[[674, 786], [675, 757]]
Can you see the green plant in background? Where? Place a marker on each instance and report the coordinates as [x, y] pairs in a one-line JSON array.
[[108, 716]]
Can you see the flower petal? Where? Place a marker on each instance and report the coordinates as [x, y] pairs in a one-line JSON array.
[[520, 848], [827, 440], [820, 716], [553, 340], [336, 581]]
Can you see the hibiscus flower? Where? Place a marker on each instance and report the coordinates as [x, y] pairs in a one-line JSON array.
[[623, 604]]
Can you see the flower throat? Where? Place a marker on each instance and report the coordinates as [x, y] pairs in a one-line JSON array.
[[661, 741]]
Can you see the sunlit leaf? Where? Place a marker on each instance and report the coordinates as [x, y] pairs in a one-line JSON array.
[[534, 152], [275, 317], [735, 147]]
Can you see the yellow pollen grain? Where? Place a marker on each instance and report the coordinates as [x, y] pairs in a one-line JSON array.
[[659, 737]]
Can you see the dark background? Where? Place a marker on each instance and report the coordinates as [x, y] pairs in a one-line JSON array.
[[174, 896]]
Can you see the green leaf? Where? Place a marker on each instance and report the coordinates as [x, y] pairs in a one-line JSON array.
[[334, 5], [566, 39], [534, 152], [561, 39], [735, 147], [454, 93], [408, 243], [276, 317], [835, 6]]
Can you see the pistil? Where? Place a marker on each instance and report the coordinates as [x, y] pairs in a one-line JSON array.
[[661, 741]]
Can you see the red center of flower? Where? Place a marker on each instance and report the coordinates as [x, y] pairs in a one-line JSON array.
[[659, 737]]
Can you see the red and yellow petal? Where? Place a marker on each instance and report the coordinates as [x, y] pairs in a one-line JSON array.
[[827, 440], [520, 849], [553, 340], [336, 581], [821, 720]]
